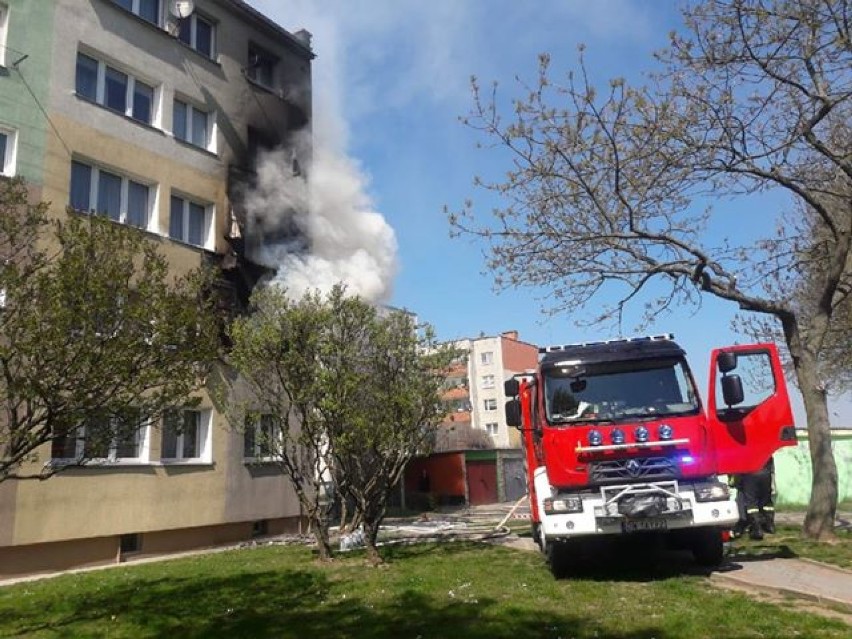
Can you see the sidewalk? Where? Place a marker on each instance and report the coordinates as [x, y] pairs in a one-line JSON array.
[[798, 577]]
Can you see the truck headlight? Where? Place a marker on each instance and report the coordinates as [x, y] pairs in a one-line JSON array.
[[567, 504], [712, 492], [617, 436], [641, 434], [665, 431], [595, 438]]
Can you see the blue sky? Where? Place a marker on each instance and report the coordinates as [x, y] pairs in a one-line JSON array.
[[391, 79]]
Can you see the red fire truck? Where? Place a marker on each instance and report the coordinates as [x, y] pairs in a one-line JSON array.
[[617, 441]]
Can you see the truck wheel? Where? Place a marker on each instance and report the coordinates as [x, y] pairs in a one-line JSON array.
[[558, 558], [707, 547]]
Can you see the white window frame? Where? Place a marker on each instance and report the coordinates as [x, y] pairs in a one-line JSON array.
[[489, 404], [486, 357], [488, 381], [125, 189], [192, 109], [4, 31], [491, 428], [205, 444], [276, 436], [143, 448], [193, 34], [209, 216], [8, 163], [135, 11], [132, 77]]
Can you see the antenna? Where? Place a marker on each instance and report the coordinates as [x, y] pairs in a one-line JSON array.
[[181, 8]]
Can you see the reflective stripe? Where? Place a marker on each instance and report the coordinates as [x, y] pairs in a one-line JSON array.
[[752, 511], [769, 508]]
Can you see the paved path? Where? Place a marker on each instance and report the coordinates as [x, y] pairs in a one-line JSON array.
[[798, 577]]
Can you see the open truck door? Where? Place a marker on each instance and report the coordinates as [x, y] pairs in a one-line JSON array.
[[748, 408]]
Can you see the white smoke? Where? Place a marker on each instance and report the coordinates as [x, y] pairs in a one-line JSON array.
[[337, 235]]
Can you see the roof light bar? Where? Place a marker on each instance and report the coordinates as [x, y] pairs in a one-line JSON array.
[[646, 338]]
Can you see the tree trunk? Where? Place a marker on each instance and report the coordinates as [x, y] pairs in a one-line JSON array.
[[819, 520], [371, 535], [320, 524]]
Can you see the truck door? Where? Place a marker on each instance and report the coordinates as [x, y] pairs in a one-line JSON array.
[[748, 408]]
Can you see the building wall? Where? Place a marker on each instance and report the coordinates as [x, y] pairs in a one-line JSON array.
[[78, 516], [793, 475], [24, 88]]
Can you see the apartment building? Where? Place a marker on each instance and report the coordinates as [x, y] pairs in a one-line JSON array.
[[151, 112], [474, 391]]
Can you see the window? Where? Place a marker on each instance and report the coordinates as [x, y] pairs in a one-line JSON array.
[[186, 435], [488, 381], [490, 404], [111, 438], [8, 144], [114, 89], [260, 437], [261, 66], [491, 428], [487, 357], [96, 190], [130, 543], [189, 221], [4, 28], [146, 9], [192, 124], [199, 33]]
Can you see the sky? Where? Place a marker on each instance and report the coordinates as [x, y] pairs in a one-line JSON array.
[[391, 79]]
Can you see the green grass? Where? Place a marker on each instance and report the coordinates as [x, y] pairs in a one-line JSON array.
[[788, 542], [427, 591]]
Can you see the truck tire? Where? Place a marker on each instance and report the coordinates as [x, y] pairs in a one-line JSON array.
[[536, 534], [558, 558], [708, 548]]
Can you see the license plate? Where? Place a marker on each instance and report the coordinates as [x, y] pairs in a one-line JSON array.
[[639, 525]]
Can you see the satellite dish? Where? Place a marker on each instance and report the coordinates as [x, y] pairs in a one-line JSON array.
[[181, 8]]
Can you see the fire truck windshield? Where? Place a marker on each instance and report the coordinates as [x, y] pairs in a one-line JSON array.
[[627, 390]]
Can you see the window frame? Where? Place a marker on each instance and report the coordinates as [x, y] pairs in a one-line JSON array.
[[9, 159], [135, 9], [4, 32], [191, 112], [486, 358], [251, 69], [132, 79], [489, 404], [203, 442], [124, 197], [142, 442], [492, 428], [209, 216], [193, 34], [250, 436], [489, 381]]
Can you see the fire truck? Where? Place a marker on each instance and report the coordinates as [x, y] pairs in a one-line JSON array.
[[617, 442]]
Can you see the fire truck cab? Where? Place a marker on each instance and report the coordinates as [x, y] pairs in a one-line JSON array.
[[618, 442]]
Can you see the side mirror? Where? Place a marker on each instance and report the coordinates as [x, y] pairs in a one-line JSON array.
[[732, 390], [513, 413], [727, 362], [511, 387]]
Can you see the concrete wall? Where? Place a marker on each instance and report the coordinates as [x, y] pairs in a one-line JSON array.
[[24, 90], [793, 474]]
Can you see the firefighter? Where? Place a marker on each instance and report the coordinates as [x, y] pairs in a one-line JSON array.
[[757, 495], [742, 524]]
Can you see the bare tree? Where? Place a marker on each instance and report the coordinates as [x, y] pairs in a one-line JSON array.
[[605, 189]]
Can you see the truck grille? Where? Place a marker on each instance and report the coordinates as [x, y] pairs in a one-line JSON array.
[[644, 468]]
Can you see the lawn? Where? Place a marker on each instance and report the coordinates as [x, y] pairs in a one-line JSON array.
[[426, 591]]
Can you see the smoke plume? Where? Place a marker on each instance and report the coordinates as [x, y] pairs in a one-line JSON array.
[[318, 224]]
